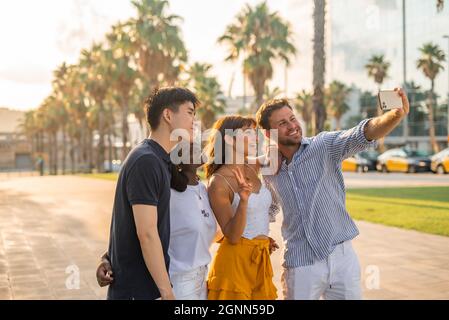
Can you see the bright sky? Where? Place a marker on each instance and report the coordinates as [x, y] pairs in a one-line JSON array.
[[37, 36]]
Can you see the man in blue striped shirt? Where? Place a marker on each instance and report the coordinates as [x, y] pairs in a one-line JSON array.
[[309, 186]]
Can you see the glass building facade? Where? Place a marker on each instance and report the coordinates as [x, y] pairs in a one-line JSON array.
[[360, 29]]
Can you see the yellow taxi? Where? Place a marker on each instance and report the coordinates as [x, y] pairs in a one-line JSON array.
[[403, 160], [355, 164], [440, 162]]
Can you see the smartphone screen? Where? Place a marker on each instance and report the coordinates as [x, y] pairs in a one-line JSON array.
[[389, 99]]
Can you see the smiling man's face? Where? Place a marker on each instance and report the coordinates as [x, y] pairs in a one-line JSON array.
[[289, 129]]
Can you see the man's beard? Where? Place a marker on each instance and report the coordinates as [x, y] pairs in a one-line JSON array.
[[288, 142]]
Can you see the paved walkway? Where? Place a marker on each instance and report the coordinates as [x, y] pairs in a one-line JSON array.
[[52, 227]]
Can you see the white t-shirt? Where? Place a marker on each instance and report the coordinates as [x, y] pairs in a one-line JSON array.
[[192, 229]]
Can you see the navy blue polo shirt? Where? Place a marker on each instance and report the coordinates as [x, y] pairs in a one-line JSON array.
[[143, 180]]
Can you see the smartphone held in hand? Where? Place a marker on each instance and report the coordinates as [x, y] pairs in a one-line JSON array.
[[389, 99]]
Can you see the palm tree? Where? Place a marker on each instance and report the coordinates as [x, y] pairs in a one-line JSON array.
[[431, 64], [304, 105], [75, 141], [111, 132], [271, 93], [156, 40], [378, 68], [158, 49], [209, 93], [62, 118], [92, 125], [260, 37], [78, 104], [40, 125], [319, 63], [51, 127], [123, 75], [96, 65], [336, 95], [61, 92]]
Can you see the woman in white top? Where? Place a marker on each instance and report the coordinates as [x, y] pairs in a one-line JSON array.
[[192, 231], [241, 269]]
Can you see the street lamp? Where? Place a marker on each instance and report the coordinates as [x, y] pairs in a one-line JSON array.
[[447, 37]]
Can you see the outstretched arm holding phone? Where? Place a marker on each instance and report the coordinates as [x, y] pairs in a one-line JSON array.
[[343, 144], [381, 126]]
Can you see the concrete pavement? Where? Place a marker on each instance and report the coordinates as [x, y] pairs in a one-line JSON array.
[[53, 227]]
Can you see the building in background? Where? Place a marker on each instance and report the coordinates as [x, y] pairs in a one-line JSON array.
[[15, 149], [238, 105], [375, 27]]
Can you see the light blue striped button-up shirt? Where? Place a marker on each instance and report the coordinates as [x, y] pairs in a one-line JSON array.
[[311, 191]]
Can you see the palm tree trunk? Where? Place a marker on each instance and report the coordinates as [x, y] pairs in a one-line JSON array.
[[319, 63], [83, 149], [111, 138], [48, 146], [433, 141], [142, 129], [79, 154], [51, 158], [338, 123], [33, 145], [208, 119], [125, 128], [64, 149], [259, 99], [312, 125], [41, 141], [244, 82], [90, 151], [115, 149], [110, 148], [38, 142], [55, 161], [72, 154], [101, 147]]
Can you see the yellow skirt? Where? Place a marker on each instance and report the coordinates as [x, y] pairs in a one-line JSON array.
[[242, 271]]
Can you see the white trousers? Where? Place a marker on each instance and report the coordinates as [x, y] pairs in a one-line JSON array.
[[190, 285], [335, 278]]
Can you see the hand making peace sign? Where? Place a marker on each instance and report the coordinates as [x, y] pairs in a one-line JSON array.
[[245, 188]]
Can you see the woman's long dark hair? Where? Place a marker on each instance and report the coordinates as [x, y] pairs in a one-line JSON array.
[[218, 132]]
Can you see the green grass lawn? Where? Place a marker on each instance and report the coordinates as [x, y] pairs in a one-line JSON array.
[[424, 209]]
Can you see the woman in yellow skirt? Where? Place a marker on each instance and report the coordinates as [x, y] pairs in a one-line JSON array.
[[243, 205]]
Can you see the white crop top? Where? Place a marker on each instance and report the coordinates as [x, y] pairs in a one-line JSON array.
[[257, 213]]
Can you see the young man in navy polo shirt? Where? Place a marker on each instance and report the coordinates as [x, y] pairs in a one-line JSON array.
[[140, 228]]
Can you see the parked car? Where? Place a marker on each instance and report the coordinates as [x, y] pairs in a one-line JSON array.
[[403, 160], [440, 162], [355, 164], [371, 156]]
